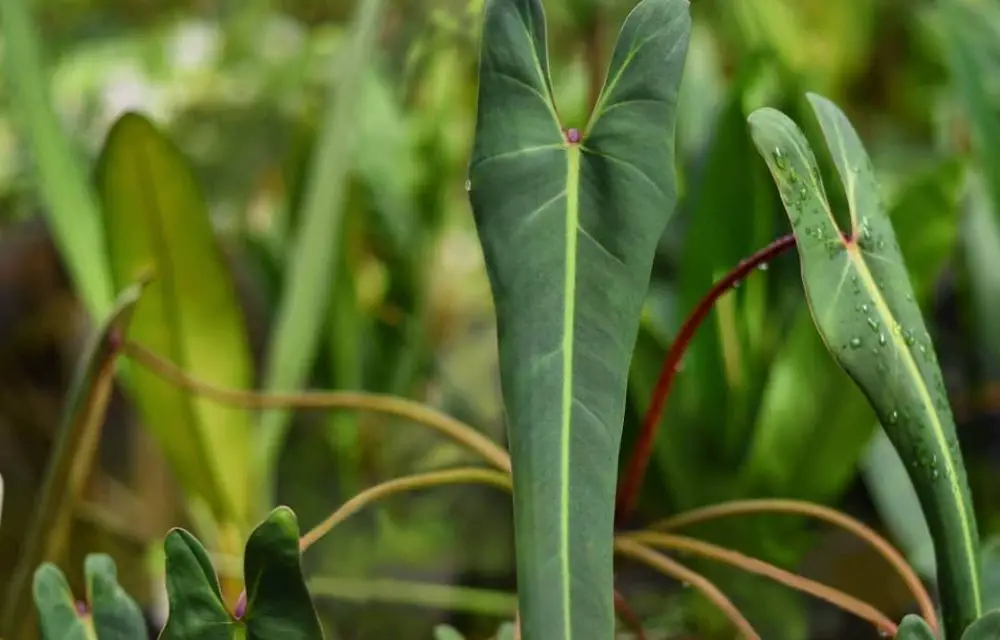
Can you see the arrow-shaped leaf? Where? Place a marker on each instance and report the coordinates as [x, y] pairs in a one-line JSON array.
[[568, 221], [862, 302]]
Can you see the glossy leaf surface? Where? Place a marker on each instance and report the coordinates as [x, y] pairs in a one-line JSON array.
[[862, 302], [157, 222], [568, 221], [278, 604]]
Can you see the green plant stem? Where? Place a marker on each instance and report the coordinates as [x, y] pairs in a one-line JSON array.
[[480, 602], [400, 407], [402, 485], [673, 569]]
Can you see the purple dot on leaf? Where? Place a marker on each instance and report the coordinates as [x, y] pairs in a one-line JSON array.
[[573, 136], [241, 606], [82, 608], [115, 340]]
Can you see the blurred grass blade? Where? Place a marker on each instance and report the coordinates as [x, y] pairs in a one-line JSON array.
[[307, 290], [568, 224], [71, 205], [862, 302], [70, 466], [156, 220]]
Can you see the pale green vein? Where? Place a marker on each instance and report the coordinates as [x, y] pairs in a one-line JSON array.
[[569, 312]]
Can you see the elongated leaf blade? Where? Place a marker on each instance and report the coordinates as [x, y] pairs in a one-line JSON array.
[[278, 602], [157, 220], [72, 461], [568, 224], [862, 302]]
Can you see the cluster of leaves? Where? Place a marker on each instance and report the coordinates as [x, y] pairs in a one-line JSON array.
[[569, 254]]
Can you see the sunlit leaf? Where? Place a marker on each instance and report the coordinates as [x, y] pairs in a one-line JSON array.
[[862, 302], [569, 221], [157, 222]]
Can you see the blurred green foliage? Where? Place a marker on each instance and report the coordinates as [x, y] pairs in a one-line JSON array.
[[245, 91]]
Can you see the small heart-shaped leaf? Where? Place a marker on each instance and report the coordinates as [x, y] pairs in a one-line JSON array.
[[115, 615], [58, 615], [197, 611], [913, 627]]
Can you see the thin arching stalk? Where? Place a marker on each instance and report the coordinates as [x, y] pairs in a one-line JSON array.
[[673, 569], [393, 405], [833, 596], [402, 485], [819, 512]]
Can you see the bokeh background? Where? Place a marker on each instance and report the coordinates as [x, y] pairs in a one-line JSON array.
[[245, 88]]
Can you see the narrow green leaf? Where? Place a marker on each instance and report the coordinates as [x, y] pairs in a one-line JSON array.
[[57, 612], [913, 627], [568, 224], [862, 302], [196, 608], [71, 206], [985, 628], [303, 310], [115, 615], [157, 220], [69, 468], [278, 602]]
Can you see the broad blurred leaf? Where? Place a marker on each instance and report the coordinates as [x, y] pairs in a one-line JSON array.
[[986, 628], [862, 302], [71, 205], [108, 612], [115, 615], [569, 223], [913, 627], [313, 254], [278, 603], [57, 612], [157, 222], [71, 462]]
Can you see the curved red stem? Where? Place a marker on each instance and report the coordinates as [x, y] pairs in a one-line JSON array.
[[631, 480]]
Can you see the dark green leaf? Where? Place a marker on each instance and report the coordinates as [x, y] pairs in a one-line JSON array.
[[115, 615], [986, 628], [862, 302], [157, 220], [197, 611], [57, 613], [278, 603], [569, 222], [913, 627]]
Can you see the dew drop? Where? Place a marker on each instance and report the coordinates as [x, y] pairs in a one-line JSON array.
[[893, 417], [882, 339], [873, 324], [468, 185], [762, 266], [780, 160], [793, 176], [855, 343], [865, 308]]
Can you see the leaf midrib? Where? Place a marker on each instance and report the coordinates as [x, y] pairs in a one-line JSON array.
[[857, 261], [569, 312]]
